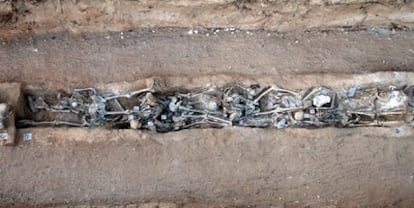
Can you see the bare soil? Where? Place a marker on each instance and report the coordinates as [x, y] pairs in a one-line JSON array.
[[361, 167], [20, 17], [124, 45], [330, 167], [62, 60]]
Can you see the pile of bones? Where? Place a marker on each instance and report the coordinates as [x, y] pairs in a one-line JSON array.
[[234, 105]]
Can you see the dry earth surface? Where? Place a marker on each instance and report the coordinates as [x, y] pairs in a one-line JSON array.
[[368, 167], [60, 60], [360, 167], [20, 17], [121, 45]]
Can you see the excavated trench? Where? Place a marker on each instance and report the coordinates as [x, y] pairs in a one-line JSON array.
[[162, 108], [50, 48]]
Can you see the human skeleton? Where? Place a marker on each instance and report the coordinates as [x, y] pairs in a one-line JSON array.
[[235, 105]]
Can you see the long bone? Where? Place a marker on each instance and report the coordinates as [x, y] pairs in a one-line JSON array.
[[192, 124], [126, 112], [129, 95], [248, 121], [86, 89], [245, 88], [207, 116], [315, 90], [203, 122], [276, 89], [59, 111], [361, 113], [377, 123], [118, 105], [198, 111], [50, 123], [279, 110], [196, 93]]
